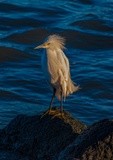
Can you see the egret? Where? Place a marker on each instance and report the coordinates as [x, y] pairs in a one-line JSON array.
[[56, 68]]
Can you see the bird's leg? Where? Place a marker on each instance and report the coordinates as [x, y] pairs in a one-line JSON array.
[[60, 114], [52, 99], [61, 104], [50, 106]]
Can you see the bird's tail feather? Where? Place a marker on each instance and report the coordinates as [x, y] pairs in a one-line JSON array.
[[66, 88], [71, 87]]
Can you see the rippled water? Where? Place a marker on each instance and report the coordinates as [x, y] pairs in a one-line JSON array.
[[88, 28]]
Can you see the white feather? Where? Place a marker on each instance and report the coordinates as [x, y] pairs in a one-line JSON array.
[[56, 67]]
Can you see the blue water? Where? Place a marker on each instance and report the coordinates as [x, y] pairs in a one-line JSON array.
[[88, 27]]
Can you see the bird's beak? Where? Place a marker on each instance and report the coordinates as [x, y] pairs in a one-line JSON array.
[[40, 46]]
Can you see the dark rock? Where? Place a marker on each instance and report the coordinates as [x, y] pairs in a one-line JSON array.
[[6, 155], [40, 138], [96, 143], [55, 137]]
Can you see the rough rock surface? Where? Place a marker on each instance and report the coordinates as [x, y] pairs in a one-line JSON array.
[[96, 143], [39, 137], [8, 155], [55, 137]]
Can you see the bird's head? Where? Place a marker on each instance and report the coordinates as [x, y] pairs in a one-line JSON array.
[[53, 42], [44, 45]]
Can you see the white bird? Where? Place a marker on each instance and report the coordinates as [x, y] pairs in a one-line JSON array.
[[56, 68]]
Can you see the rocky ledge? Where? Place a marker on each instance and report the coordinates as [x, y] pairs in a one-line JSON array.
[[56, 137]]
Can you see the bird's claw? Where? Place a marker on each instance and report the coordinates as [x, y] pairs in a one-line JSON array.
[[59, 115], [47, 112], [53, 113]]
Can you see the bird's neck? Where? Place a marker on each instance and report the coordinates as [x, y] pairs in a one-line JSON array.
[[51, 52]]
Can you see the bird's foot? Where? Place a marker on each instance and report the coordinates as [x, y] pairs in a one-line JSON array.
[[48, 112], [45, 113], [59, 115], [54, 113]]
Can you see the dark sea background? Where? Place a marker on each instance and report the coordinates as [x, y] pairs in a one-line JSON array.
[[88, 27]]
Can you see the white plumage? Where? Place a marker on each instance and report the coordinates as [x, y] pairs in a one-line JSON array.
[[56, 68]]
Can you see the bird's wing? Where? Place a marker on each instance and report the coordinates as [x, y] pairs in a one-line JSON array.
[[63, 74], [66, 62], [65, 66], [59, 67]]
